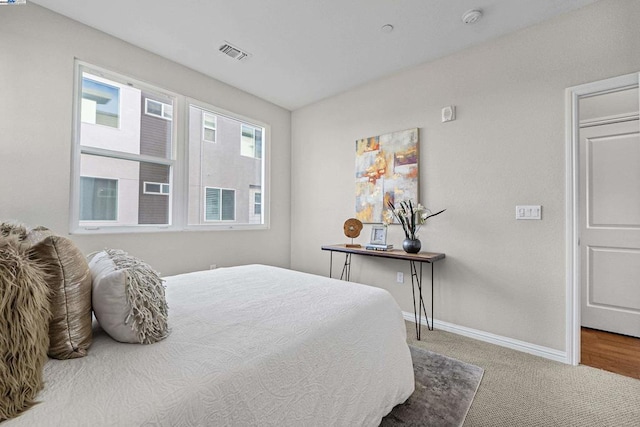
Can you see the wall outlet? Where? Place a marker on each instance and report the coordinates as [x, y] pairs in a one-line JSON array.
[[400, 277], [213, 266]]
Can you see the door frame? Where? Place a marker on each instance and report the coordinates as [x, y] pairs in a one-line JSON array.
[[572, 223]]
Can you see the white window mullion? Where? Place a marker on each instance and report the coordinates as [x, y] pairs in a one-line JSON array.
[[159, 109], [126, 156], [209, 127]]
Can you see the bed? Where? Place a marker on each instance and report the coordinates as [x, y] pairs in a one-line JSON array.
[[249, 346]]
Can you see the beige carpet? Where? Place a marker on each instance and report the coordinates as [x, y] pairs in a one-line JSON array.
[[520, 390]]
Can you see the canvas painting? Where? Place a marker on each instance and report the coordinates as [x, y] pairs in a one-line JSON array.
[[386, 170]]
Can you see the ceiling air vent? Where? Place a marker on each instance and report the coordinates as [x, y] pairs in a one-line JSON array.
[[233, 52]]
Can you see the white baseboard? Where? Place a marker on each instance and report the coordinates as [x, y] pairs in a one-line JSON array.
[[537, 350]]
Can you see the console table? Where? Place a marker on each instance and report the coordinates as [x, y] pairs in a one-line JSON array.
[[416, 277]]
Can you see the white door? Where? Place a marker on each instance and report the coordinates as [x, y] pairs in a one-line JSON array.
[[610, 227]]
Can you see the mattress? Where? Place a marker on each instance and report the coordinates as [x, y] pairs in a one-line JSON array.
[[249, 346]]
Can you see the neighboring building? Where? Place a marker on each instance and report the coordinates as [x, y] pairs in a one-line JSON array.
[[228, 184]]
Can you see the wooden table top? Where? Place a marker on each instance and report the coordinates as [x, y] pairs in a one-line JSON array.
[[391, 253]]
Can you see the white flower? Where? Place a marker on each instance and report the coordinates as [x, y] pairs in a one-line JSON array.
[[411, 216]]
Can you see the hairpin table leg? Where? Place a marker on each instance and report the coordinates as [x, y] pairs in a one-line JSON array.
[[346, 269], [418, 303]]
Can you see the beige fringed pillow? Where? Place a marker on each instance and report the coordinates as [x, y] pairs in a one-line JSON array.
[[128, 298], [24, 322], [13, 229], [70, 281]]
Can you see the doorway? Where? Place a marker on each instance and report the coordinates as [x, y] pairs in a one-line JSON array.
[[603, 214]]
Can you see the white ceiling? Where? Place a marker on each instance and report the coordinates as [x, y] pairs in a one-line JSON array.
[[305, 50]]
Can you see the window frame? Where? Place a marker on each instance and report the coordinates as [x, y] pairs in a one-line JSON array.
[[266, 170], [255, 145], [155, 193], [256, 204], [235, 205], [205, 127], [117, 181], [78, 150], [162, 109], [178, 160]]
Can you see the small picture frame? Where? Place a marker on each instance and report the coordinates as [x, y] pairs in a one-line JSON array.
[[379, 235]]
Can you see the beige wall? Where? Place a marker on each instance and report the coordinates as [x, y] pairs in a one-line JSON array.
[[501, 276], [36, 92]]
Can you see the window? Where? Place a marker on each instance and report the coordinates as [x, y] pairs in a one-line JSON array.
[[137, 151], [214, 167], [257, 204], [156, 188], [136, 169], [100, 102], [220, 204], [208, 127], [98, 199], [251, 142], [158, 109]]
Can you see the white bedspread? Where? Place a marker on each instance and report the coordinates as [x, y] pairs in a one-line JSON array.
[[250, 346]]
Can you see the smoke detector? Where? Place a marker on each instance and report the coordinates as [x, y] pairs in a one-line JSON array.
[[471, 16], [386, 28], [233, 51]]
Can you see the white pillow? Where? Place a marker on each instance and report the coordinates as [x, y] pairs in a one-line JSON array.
[[128, 298]]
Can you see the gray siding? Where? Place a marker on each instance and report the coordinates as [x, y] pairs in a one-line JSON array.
[[154, 208], [224, 167], [155, 132], [155, 140]]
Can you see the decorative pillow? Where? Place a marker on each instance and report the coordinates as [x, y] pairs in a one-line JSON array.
[[24, 321], [70, 282], [128, 298]]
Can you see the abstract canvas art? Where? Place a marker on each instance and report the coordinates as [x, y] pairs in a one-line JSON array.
[[386, 170]]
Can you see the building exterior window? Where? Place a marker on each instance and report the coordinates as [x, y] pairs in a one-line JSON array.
[[98, 199], [140, 170], [100, 102], [257, 204], [251, 142], [208, 127], [158, 109], [220, 204], [156, 188]]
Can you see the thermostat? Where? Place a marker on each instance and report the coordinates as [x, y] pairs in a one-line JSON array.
[[448, 113]]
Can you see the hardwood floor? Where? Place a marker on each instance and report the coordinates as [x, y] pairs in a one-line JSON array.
[[611, 352]]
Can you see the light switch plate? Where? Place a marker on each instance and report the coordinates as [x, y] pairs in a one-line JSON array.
[[528, 212]]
